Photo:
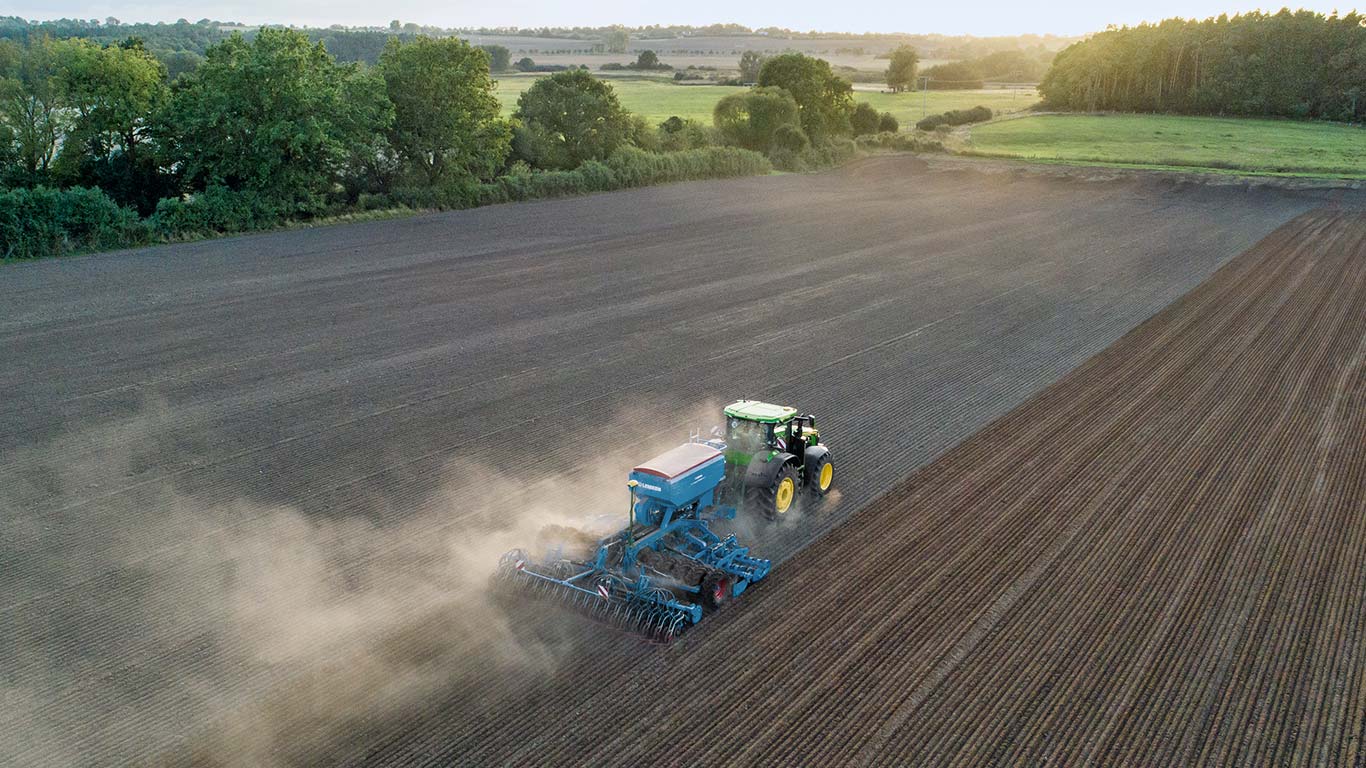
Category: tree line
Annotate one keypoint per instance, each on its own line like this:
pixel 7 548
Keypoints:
pixel 1289 64
pixel 99 148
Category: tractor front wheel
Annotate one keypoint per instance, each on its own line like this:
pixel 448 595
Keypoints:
pixel 820 476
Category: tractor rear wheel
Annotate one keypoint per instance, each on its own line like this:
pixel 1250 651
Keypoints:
pixel 780 496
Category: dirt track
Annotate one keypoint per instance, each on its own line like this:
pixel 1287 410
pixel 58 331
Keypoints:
pixel 190 430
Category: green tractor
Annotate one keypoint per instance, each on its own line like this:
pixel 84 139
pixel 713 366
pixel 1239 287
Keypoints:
pixel 772 454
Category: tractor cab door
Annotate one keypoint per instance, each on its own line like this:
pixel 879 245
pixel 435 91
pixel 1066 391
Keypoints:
pixel 782 437
pixel 802 429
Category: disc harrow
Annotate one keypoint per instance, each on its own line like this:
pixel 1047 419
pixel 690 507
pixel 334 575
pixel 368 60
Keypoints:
pixel 652 613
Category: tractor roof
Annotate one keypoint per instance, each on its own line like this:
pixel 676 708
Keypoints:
pixel 753 410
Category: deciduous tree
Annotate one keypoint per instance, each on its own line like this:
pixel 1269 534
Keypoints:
pixel 270 116
pixel 570 117
pixel 616 40
pixel 750 64
pixel 824 101
pixel 901 69
pixel 33 108
pixel 113 91
pixel 500 58
pixel 446 118
pixel 1289 64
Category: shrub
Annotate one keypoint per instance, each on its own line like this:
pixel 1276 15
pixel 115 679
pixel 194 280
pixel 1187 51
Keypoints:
pixel 367 201
pixel 830 152
pixel 814 156
pixel 215 210
pixel 49 222
pixel 865 119
pixel 888 123
pixel 643 134
pixel 901 142
pixel 677 134
pixel 749 119
pixel 634 168
pixel 954 117
pixel 627 167
pixel 790 138
pixel 787 160
pixel 453 194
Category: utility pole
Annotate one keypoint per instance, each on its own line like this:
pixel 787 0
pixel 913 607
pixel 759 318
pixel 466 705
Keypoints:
pixel 924 95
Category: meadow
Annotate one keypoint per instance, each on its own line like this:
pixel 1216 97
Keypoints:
pixel 658 98
pixel 1267 147
pixel 1230 145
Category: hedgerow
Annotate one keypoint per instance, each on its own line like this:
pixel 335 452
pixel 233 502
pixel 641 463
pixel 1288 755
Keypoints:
pixel 978 114
pixel 50 222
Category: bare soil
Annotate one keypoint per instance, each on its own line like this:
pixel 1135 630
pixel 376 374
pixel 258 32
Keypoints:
pixel 252 485
pixel 1158 560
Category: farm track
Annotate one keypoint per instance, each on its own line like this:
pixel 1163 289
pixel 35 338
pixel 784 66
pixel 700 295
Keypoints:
pixel 1158 560
pixel 236 469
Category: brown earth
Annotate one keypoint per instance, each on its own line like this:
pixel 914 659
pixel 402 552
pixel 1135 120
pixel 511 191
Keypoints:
pixel 253 485
pixel 1158 560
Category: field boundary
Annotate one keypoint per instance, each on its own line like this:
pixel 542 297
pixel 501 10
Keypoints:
pixel 1102 171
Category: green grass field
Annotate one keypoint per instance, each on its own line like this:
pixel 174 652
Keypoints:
pixel 659 98
pixel 655 98
pixel 910 107
pixel 1276 147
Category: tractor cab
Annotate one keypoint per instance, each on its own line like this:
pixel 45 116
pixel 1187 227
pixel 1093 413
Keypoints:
pixel 754 428
pixel 770 451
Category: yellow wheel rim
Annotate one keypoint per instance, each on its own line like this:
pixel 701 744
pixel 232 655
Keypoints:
pixel 827 474
pixel 786 490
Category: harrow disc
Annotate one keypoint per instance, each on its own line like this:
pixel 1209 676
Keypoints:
pixel 605 599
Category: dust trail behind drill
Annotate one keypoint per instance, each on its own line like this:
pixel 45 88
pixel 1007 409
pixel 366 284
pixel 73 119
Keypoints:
pixel 261 632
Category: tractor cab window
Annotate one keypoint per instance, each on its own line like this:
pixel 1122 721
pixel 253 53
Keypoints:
pixel 746 436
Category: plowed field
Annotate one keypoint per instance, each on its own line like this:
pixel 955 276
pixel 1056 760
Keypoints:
pixel 250 489
pixel 1159 560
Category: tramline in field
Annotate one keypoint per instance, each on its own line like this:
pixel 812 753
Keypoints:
pixel 667 568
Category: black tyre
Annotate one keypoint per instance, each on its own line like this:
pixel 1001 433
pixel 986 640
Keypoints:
pixel 820 476
pixel 778 499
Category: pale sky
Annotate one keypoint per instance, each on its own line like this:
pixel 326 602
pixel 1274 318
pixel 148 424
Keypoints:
pixel 985 17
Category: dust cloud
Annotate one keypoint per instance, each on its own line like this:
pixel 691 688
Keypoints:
pixel 141 625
